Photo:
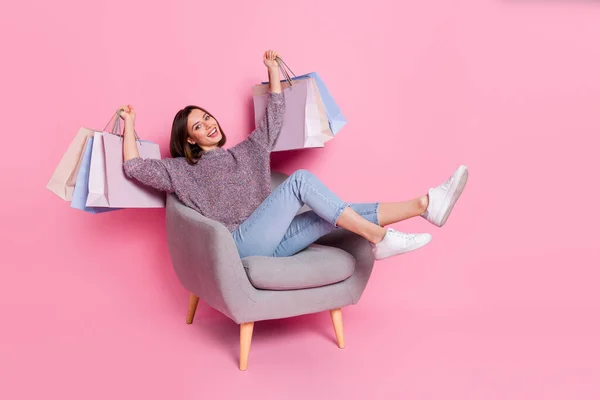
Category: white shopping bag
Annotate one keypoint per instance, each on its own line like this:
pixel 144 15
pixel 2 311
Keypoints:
pixel 97 190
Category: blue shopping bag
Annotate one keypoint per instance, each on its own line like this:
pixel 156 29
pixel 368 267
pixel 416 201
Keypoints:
pixel 334 114
pixel 80 193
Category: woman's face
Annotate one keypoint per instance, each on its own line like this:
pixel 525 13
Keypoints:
pixel 203 130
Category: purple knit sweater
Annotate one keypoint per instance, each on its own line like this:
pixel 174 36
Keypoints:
pixel 225 185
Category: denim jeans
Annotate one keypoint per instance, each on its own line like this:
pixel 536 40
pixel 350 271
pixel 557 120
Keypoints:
pixel 274 229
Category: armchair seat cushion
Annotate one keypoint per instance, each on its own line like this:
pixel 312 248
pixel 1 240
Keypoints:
pixel 315 266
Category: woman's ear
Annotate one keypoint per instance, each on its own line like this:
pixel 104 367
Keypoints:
pixel 190 141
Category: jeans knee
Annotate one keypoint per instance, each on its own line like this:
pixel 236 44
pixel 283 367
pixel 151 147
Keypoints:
pixel 302 174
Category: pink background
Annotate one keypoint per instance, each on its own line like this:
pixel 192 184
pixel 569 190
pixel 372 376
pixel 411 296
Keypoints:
pixel 502 304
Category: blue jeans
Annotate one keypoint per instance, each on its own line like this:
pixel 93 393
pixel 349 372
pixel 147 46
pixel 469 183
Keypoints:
pixel 274 229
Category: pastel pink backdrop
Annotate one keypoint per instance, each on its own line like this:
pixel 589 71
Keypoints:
pixel 502 304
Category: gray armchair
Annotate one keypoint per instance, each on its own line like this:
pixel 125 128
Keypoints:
pixel 328 275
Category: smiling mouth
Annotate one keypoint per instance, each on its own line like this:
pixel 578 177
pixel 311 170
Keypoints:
pixel 212 133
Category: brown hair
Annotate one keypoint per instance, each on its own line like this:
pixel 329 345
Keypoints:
pixel 180 147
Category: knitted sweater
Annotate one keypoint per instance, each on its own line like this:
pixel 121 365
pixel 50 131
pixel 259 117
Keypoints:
pixel 225 185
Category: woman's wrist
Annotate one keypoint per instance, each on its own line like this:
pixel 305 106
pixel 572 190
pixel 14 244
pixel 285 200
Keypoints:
pixel 274 82
pixel 129 125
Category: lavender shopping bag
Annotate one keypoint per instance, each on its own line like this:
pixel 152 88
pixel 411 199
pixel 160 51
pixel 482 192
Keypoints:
pixel 301 123
pixel 124 192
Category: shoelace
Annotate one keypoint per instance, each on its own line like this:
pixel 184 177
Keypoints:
pixel 446 185
pixel 408 236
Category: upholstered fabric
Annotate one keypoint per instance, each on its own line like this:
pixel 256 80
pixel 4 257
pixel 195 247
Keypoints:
pixel 316 266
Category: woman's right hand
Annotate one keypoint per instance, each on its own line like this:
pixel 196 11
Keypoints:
pixel 127 113
pixel 270 59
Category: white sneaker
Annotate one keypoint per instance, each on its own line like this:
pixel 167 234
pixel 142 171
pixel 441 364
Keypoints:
pixel 395 242
pixel 443 197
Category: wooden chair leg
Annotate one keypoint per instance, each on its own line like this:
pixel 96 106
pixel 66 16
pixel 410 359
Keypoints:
pixel 192 308
pixel 336 317
pixel 245 340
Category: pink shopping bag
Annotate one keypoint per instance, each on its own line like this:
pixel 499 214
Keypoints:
pixel 62 182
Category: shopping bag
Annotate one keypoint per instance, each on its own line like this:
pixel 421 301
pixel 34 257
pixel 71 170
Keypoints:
pixel 314 136
pixel 62 182
pixel 324 123
pixel 97 190
pixel 122 191
pixel 301 126
pixel 80 194
pixel 108 186
pixel 334 115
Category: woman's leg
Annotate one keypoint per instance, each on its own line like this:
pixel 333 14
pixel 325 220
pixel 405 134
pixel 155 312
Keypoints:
pixel 442 199
pixel 390 213
pixel 308 227
pixel 262 232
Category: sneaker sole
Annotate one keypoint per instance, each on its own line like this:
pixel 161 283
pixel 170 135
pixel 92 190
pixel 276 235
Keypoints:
pixel 405 250
pixel 454 193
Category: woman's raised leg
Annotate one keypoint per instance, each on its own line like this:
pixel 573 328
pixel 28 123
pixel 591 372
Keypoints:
pixel 262 232
pixel 308 227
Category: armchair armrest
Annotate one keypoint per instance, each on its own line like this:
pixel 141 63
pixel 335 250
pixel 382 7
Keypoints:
pixel 206 259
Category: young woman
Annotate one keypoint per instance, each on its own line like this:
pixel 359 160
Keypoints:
pixel 234 186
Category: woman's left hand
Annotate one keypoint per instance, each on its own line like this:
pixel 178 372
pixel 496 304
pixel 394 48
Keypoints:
pixel 270 59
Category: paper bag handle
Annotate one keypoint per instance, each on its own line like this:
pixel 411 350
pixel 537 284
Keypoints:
pixel 284 70
pixel 117 127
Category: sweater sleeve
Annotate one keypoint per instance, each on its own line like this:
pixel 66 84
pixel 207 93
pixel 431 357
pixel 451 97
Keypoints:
pixel 268 130
pixel 150 172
